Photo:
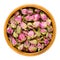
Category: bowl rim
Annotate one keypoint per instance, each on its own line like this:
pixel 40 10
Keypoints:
pixel 53 23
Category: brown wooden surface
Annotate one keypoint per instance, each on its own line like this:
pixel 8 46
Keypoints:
pixel 53 23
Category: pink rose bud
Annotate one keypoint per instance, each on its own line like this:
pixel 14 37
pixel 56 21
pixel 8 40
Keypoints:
pixel 24 11
pixel 12 20
pixel 48 22
pixel 36 24
pixel 37 10
pixel 30 11
pixel 9 30
pixel 43 16
pixel 23 25
pixel 18 19
pixel 43 24
pixel 21 37
pixel 42 46
pixel 13 41
pixel 46 41
pixel 29 18
pixel 36 17
pixel 26 44
pixel 32 48
pixel 50 35
pixel 31 33
pixel 21 47
pixel 43 31
pixel 39 45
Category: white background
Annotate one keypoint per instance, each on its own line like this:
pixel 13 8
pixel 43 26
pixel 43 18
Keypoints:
pixel 6 6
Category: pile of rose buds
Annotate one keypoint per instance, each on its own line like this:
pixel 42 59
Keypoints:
pixel 30 30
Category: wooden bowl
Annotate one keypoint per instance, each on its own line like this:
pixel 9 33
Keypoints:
pixel 52 39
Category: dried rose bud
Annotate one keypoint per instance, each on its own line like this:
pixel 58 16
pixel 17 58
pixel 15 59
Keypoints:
pixel 13 41
pixel 43 31
pixel 18 29
pixel 13 25
pixel 15 34
pixel 47 34
pixel 21 47
pixel 36 24
pixel 39 45
pixel 43 25
pixel 24 11
pixel 43 16
pixel 30 25
pixel 37 10
pixel 12 20
pixel 46 41
pixel 9 30
pixel 48 22
pixel 23 25
pixel 28 37
pixel 36 17
pixel 17 13
pixel 42 46
pixel 25 32
pixel 34 42
pixel 29 18
pixel 26 44
pixel 31 33
pixel 30 11
pixel 38 33
pixel 32 48
pixel 21 37
pixel 50 35
pixel 18 19
pixel 50 29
